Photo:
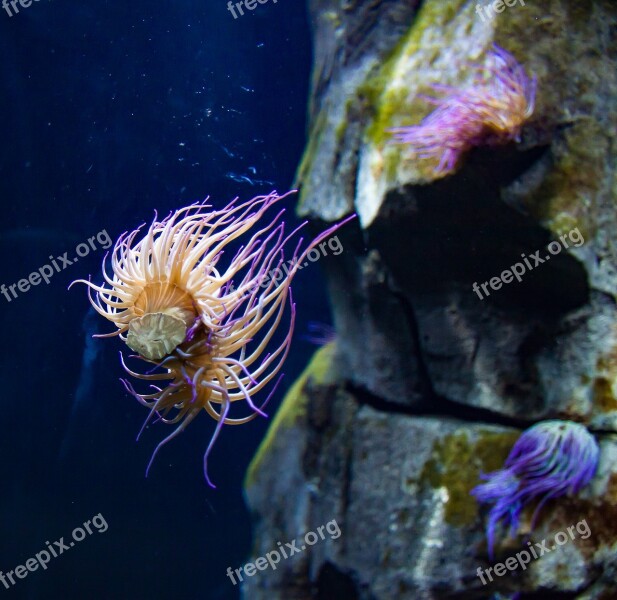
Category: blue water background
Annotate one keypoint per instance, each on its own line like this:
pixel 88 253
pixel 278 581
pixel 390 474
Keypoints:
pixel 111 109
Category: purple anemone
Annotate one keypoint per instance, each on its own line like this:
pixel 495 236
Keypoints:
pixel 550 459
pixel 491 110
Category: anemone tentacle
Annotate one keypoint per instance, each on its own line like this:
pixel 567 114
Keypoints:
pixel 491 110
pixel 549 460
pixel 204 323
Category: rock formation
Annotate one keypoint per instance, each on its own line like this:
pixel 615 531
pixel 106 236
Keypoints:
pixel 427 385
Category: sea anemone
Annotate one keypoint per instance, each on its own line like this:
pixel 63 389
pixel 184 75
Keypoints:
pixel 205 327
pixel 549 460
pixel 490 111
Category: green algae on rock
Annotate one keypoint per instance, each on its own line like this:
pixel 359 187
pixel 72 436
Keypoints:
pixel 456 463
pixel 293 406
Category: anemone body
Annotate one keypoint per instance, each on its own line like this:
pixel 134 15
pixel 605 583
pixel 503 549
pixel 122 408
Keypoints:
pixel 490 111
pixel 549 460
pixel 207 325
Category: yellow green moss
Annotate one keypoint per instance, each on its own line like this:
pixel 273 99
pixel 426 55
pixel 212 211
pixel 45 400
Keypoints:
pixel 332 17
pixel 293 407
pixel 310 151
pixel 387 106
pixel 341 128
pixel 603 395
pixel 386 102
pixel 456 463
pixel 565 198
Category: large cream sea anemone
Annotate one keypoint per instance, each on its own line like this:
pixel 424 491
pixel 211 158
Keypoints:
pixel 206 324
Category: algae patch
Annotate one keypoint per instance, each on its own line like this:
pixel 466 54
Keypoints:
pixel 387 101
pixel 603 396
pixel 306 162
pixel 456 463
pixel 603 384
pixel 565 200
pixel 293 407
pixel 393 94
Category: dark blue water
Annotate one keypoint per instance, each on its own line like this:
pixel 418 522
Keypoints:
pixel 111 109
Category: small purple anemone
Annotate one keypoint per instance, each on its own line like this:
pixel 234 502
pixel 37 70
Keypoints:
pixel 490 111
pixel 550 459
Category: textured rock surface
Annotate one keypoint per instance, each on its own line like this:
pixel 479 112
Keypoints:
pixel 398 487
pixel 428 384
pixel 430 238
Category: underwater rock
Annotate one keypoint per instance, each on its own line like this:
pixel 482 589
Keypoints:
pixel 427 238
pixel 430 381
pixel 398 487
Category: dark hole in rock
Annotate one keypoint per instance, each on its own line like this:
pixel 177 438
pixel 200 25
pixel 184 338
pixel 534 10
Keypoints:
pixel 333 583
pixel 458 231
